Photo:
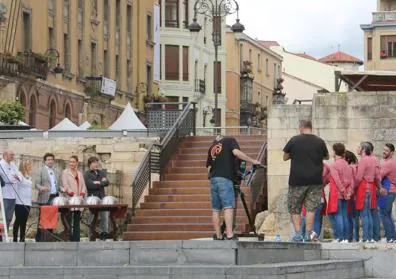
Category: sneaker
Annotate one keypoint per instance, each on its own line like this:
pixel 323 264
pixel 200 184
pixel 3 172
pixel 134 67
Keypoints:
pixel 372 241
pixel 307 238
pixel 390 241
pixel 314 236
pixel 298 238
pixel 344 241
pixel 336 241
pixel 216 238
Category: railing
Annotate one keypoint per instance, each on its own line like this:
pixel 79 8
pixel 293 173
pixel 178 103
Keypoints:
pixel 162 116
pixel 384 16
pixel 172 23
pixel 7 68
pixel 259 184
pixel 158 156
pixel 230 131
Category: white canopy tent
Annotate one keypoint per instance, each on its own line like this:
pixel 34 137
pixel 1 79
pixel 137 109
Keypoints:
pixel 66 125
pixel 128 120
pixel 86 125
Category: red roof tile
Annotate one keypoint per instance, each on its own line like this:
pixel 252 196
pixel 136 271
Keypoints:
pixel 268 44
pixel 342 57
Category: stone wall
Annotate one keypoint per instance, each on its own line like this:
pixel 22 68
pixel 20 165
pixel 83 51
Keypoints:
pixel 337 117
pixel 120 156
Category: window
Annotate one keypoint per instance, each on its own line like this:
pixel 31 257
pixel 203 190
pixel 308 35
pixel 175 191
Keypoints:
pixel 217 77
pixel 27 32
pixel 80 59
pixel 259 62
pixel 51 37
pixel 68 111
pixel 185 63
pixel 66 51
pixel 149 80
pixel 66 10
pixel 106 10
pixel 275 74
pixel 369 48
pixel 94 8
pixel 129 21
pixel 172 13
pixel 250 55
pixel 93 59
pixel 52 114
pixel 129 75
pixel 171 62
pixel 186 21
pixel 205 29
pixel 80 16
pixel 106 63
pixel 266 67
pixel 118 14
pixel 32 111
pixel 279 71
pixel 149 29
pixel 117 69
pixel 241 58
pixel 388 47
pixel 51 6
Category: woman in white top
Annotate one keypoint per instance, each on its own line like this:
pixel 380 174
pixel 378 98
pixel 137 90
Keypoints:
pixel 23 201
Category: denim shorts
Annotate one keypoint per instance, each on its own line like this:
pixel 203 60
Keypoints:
pixel 223 195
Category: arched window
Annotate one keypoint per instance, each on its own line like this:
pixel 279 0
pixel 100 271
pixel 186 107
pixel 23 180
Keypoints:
pixel 52 114
pixel 68 111
pixel 32 111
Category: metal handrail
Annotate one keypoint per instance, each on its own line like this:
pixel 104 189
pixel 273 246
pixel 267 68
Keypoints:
pixel 154 162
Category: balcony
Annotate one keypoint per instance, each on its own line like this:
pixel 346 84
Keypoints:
pixel 200 86
pixel 386 16
pixel 172 23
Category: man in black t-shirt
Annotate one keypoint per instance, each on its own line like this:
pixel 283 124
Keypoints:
pixel 222 157
pixel 307 153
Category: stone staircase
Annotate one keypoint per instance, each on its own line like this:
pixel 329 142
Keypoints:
pixel 179 207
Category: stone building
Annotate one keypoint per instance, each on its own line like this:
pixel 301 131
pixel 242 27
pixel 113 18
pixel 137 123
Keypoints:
pixel 83 42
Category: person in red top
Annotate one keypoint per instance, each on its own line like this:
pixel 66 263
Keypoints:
pixel 353 214
pixel 367 179
pixel 341 182
pixel 388 172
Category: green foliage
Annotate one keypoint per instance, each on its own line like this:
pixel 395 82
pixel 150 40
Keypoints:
pixel 11 113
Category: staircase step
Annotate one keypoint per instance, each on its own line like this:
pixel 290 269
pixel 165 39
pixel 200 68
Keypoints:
pixel 193 163
pixel 200 150
pixel 204 155
pixel 204 183
pixel 207 144
pixel 186 177
pixel 179 191
pixel 177 219
pixel 169 235
pixel 182 227
pixel 187 170
pixel 181 212
pixel 182 198
pixel 239 138
pixel 179 205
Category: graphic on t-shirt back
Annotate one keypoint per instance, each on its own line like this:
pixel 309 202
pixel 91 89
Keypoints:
pixel 216 150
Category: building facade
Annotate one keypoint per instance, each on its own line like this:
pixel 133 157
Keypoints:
pixel 88 41
pixel 253 72
pixel 380 38
pixel 188 60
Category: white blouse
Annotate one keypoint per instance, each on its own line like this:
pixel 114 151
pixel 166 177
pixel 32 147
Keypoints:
pixel 24 190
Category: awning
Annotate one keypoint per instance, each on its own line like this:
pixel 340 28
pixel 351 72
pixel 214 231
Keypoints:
pixel 367 80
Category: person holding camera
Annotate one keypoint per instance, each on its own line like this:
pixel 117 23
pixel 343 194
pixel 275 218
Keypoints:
pixel 222 157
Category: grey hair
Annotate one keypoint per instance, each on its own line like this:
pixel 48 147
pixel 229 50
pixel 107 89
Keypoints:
pixel 366 147
pixel 306 124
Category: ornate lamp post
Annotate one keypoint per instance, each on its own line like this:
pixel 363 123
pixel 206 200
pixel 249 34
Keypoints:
pixel 216 10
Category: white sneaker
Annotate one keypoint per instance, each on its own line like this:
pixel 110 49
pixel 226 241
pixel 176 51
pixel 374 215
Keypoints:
pixel 344 241
pixel 336 241
pixel 372 241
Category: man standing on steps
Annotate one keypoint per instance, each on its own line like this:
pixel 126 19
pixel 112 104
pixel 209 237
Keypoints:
pixel 222 157
pixel 307 153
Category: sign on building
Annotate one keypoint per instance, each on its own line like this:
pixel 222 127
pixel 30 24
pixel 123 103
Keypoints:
pixel 109 86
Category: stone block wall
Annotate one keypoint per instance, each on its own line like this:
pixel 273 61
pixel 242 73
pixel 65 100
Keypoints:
pixel 337 117
pixel 122 155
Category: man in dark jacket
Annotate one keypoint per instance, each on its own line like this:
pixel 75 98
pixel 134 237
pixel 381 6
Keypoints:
pixel 96 181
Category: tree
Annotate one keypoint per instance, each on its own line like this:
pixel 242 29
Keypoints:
pixel 11 113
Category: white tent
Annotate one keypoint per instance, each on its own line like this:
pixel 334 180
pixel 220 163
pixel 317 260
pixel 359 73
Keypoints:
pixel 66 125
pixel 128 121
pixel 86 125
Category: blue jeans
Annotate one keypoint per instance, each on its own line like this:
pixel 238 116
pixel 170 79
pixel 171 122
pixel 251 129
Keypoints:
pixel 9 208
pixel 223 195
pixel 339 221
pixel 367 219
pixel 317 227
pixel 353 223
pixel 386 217
pixel 376 224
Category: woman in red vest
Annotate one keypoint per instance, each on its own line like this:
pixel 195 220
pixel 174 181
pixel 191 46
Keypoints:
pixel 341 182
pixel 353 214
pixel 367 180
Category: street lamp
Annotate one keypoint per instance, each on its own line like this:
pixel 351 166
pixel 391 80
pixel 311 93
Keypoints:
pixel 216 10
